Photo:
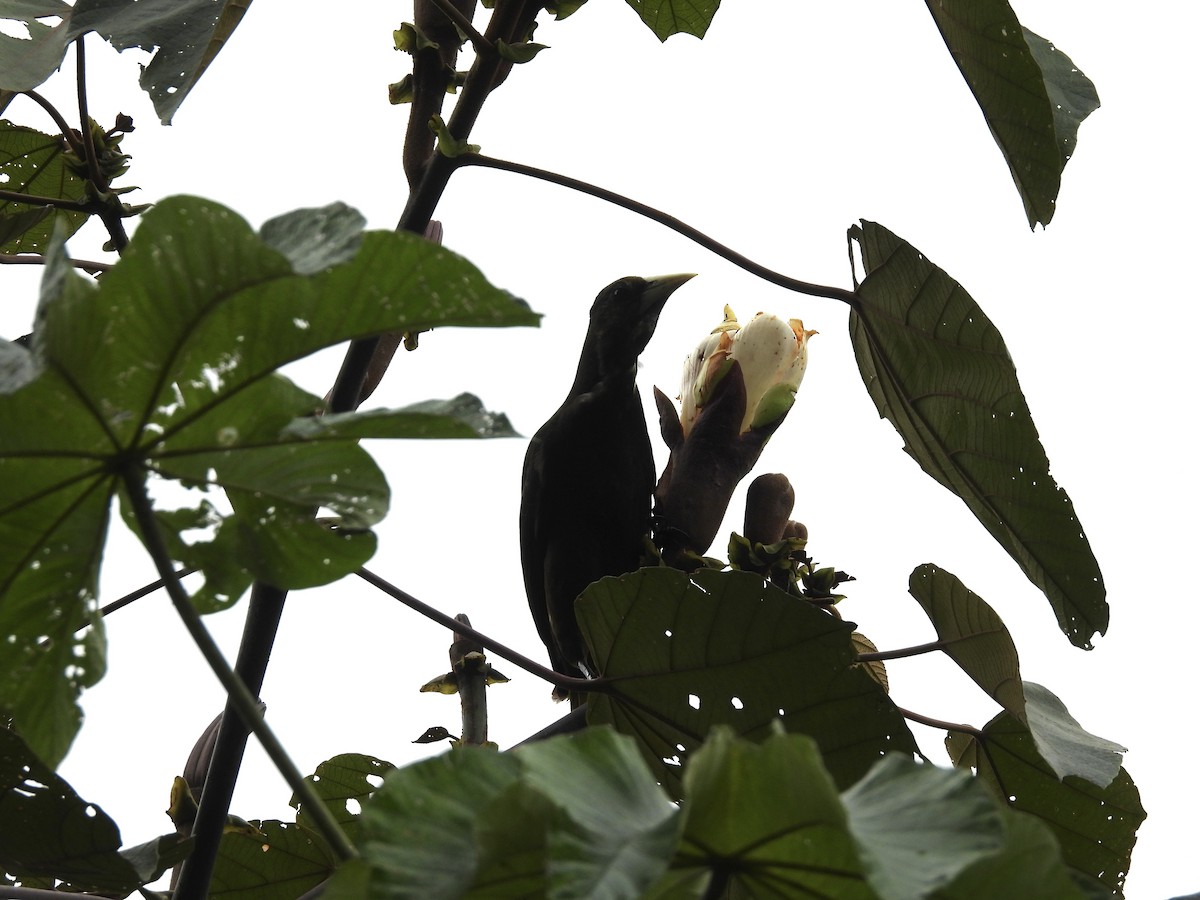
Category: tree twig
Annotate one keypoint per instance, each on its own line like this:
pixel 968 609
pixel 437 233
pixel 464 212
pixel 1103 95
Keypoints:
pixel 36 259
pixel 903 652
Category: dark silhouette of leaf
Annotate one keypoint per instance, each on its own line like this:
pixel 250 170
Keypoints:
pixel 48 830
pixel 938 370
pixel 682 655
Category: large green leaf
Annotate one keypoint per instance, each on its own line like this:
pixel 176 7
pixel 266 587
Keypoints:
pixel 27 62
pixel 918 826
pixel 185 34
pixel 668 17
pixel 1095 826
pixel 1031 95
pixel 682 655
pixel 938 369
pixel 165 370
pixel 1029 866
pixel 617 830
pixel 47 830
pixel 767 818
pixel 971 634
pixel 35 164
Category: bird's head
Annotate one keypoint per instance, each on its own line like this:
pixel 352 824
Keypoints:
pixel 624 317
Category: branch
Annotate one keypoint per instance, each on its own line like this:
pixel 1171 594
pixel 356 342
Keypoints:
pixel 54 114
pixel 108 215
pixel 561 681
pixel 239 695
pixel 676 225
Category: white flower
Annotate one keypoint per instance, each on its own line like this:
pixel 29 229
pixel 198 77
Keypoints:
pixel 772 354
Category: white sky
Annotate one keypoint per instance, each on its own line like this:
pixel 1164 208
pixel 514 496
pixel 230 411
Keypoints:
pixel 789 122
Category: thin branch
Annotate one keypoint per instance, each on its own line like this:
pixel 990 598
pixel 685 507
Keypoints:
pixel 562 681
pixel 903 652
pixel 940 723
pixel 676 225
pixel 243 700
pixel 451 12
pixel 36 259
pixel 122 602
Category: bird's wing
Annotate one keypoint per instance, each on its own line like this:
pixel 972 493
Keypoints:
pixel 533 540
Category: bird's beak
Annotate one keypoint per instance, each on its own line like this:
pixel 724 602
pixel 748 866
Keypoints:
pixel 654 297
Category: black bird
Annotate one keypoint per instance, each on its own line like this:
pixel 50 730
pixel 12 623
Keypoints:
pixel 589 471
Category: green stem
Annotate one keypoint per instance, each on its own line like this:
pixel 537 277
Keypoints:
pixel 676 225
pixel 451 12
pixel 902 653
pixel 240 696
pixel 940 723
pixel 56 202
pixel 36 259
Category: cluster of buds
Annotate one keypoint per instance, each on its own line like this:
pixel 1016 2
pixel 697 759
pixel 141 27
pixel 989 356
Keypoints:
pixel 738 385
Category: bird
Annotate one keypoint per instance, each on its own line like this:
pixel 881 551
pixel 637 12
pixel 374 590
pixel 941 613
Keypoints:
pixel 589 473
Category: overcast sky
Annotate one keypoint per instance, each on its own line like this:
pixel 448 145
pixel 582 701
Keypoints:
pixel 787 124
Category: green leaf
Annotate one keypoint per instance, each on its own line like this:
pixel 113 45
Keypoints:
pixel 419 830
pixel 166 370
pixel 461 417
pixel 279 862
pixel 1029 866
pixel 1063 743
pixel 768 818
pixel 972 634
pixel 315 239
pixel 1020 82
pixel 918 826
pixel 668 17
pixel 1072 95
pixel 1095 826
pixel 36 164
pixel 618 830
pixel 186 35
pixel 682 655
pixel 344 784
pixel 938 370
pixel 48 830
pixel 27 62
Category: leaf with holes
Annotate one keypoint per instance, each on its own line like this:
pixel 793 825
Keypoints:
pixel 165 371
pixel 186 36
pixel 971 634
pixel 1096 826
pixel 36 164
pixel 270 860
pixel 49 831
pixel 679 656
pixel 344 783
pixel 938 370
